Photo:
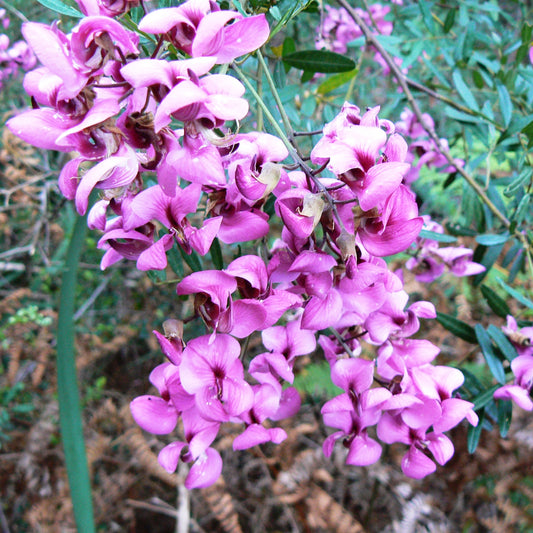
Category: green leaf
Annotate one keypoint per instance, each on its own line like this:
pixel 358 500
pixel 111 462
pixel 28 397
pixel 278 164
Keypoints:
pixel 496 302
pixel 457 327
pixel 474 432
pixel 175 262
pixel 484 398
pixel 526 32
pixel 522 209
pixel 425 9
pixel 192 260
pixel 523 178
pixel 528 130
pixel 462 231
pixel 60 7
pixel 506 105
pixel 464 91
pixel 489 239
pixel 489 258
pixel 502 342
pixel 216 254
pixel 505 415
pixel 434 236
pixel 336 81
pixel 515 294
pixel 494 364
pixel 70 419
pixel 449 20
pixel 319 61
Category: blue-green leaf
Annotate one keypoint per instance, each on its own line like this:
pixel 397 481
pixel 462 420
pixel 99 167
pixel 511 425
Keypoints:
pixel 506 105
pixel 495 365
pixel 489 239
pixel 502 342
pixel 457 327
pixel 319 61
pixel 60 7
pixel 515 294
pixel 495 301
pixel 474 432
pixel 464 91
pixel 434 236
pixel 505 414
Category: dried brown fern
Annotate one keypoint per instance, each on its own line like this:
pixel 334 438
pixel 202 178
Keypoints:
pixel 221 505
pixel 324 512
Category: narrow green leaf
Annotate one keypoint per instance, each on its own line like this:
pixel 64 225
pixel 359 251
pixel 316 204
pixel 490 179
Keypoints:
pixel 528 131
pixel 70 420
pixel 464 91
pixel 494 364
pixel 192 260
pixel 484 398
pixel 517 266
pixel 336 81
pixel 449 20
pixel 505 415
pixel 462 231
pixel 425 9
pixel 515 294
pixel 175 262
pixel 489 239
pixel 474 432
pixel 457 327
pixel 216 254
pixel 526 32
pixel 319 61
pixel 522 209
pixel 434 236
pixel 496 302
pixel 502 342
pixel 489 258
pixel 511 254
pixel 506 105
pixel 60 7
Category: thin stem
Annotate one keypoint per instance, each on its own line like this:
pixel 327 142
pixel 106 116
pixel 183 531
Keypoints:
pixel 297 158
pixel 275 94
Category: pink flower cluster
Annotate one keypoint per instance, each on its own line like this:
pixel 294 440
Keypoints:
pixel 338 29
pixel 430 260
pixel 151 135
pixel 13 57
pixel 522 366
pixel 421 147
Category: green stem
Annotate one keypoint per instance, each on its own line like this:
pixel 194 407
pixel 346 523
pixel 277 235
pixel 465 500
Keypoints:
pixel 275 94
pixel 296 157
pixel 70 420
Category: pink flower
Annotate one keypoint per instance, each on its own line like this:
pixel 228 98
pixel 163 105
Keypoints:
pixel 520 391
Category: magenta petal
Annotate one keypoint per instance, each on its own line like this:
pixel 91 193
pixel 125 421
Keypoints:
pixel 201 239
pixel 253 435
pixel 169 456
pixel 249 316
pixel 289 404
pixel 321 313
pixel 154 414
pixel 243 226
pixel 243 37
pixel 51 52
pixel 380 182
pixel 353 374
pixel 205 470
pixel 41 128
pixel 441 447
pixel 416 464
pixel 364 451
pixel 396 237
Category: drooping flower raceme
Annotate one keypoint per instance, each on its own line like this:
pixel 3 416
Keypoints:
pixel 152 137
